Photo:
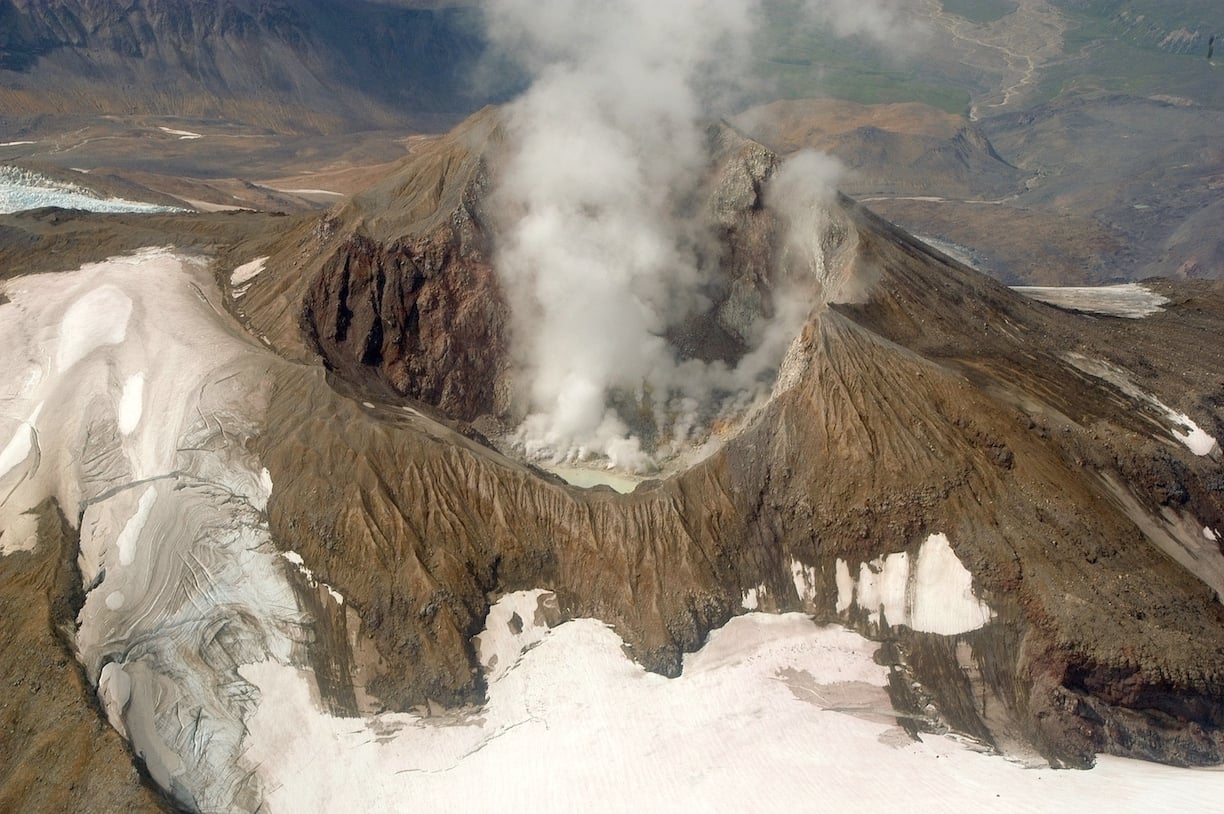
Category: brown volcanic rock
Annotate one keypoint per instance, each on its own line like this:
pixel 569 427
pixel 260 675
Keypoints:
pixel 395 289
pixel 944 402
pixel 57 752
pixel 457 523
pixel 410 317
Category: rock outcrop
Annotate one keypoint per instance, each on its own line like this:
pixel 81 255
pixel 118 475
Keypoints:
pixel 59 753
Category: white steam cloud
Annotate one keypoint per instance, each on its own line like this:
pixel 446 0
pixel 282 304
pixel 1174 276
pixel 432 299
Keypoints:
pixel 596 256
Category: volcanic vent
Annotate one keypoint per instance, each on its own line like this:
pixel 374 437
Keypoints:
pixel 412 303
pixel 917 399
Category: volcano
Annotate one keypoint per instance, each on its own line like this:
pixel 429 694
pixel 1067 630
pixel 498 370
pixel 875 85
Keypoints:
pixel 266 496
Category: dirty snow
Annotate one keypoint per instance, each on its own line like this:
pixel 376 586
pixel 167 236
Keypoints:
pixel 247 271
pixel 1176 534
pixel 1131 300
pixel 1180 425
pixel 515 623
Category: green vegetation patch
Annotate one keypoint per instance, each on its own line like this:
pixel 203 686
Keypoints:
pixel 980 11
pixel 798 58
pixel 1181 27
pixel 1099 60
pixel 859 83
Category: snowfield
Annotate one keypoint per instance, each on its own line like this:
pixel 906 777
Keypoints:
pixel 774 713
pixel 1130 300
pixel 130 399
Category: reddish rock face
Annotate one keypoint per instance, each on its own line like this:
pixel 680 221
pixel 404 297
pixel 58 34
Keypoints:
pixel 418 318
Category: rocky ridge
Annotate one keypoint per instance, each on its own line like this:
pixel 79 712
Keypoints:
pixel 941 403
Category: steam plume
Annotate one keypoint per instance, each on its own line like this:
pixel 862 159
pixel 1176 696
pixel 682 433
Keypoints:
pixel 595 256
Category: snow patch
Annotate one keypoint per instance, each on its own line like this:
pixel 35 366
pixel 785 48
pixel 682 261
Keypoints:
pixel 184 135
pixel 131 404
pixel 114 691
pixel 748 599
pixel 1181 426
pixel 247 271
pixel 845 587
pixel 98 319
pixel 311 579
pixel 1131 300
pixel 1194 437
pixel 944 601
pixel 1210 534
pixel 126 542
pixel 935 595
pixel 805 580
pixel 881 589
pixel 1179 535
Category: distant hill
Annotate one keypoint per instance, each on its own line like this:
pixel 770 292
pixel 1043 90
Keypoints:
pixel 306 65
pixel 1181 27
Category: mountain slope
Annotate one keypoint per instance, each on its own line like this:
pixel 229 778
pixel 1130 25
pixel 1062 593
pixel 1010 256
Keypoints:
pixel 318 66
pixel 944 403
pixel 1021 505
